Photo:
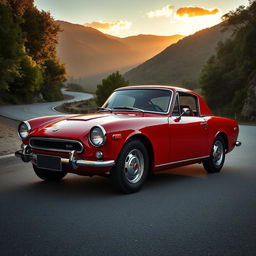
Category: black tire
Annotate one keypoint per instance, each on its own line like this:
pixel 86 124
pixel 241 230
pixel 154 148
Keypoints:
pixel 217 158
pixel 131 168
pixel 49 175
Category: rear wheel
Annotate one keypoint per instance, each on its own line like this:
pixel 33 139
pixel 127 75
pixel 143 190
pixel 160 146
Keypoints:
pixel 217 158
pixel 49 175
pixel 131 169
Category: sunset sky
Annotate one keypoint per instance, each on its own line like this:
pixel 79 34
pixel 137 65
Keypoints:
pixel 131 17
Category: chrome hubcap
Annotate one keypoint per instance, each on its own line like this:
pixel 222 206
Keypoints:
pixel 134 166
pixel 218 153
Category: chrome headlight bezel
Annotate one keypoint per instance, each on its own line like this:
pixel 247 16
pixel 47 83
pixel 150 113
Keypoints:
pixel 24 129
pixel 99 131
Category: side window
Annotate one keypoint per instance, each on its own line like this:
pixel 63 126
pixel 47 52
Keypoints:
pixel 189 101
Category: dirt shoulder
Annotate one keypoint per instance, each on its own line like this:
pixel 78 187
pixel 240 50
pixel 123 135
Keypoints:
pixel 9 139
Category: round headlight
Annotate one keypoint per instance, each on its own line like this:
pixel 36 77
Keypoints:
pixel 24 129
pixel 97 136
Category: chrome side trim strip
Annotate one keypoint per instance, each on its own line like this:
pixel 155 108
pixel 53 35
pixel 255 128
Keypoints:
pixel 182 161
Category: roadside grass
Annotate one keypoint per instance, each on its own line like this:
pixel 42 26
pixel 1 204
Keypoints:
pixel 79 107
pixel 73 87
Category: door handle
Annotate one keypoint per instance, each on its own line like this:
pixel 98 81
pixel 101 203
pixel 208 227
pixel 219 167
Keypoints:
pixel 204 123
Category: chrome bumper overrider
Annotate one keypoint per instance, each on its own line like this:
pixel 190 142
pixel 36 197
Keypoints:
pixel 27 156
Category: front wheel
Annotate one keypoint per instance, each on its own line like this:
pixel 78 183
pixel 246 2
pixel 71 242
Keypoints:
pixel 49 175
pixel 131 169
pixel 217 158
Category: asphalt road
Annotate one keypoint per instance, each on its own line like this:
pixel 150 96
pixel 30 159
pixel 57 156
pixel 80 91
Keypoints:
pixel 182 211
pixel 28 111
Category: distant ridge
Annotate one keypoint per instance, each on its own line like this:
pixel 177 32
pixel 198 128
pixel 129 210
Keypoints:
pixel 89 52
pixel 180 63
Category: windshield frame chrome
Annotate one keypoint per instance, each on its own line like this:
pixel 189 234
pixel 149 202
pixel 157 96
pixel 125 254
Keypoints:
pixel 142 110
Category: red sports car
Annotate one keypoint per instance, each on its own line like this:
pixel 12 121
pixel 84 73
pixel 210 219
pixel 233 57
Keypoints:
pixel 139 129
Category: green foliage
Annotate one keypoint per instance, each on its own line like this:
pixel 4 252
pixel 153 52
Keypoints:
pixel 54 76
pixel 28 62
pixel 241 17
pixel 20 6
pixel 27 83
pixel 109 84
pixel 41 35
pixel 10 47
pixel 225 76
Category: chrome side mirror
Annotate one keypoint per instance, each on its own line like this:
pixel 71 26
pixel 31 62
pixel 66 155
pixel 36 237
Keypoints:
pixel 185 111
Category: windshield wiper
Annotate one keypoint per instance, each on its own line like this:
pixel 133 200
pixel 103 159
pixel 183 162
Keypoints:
pixel 103 109
pixel 129 108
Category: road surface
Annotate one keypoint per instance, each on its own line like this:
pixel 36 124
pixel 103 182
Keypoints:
pixel 28 111
pixel 181 212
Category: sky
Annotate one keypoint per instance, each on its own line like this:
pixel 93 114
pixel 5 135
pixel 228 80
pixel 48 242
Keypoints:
pixel 132 17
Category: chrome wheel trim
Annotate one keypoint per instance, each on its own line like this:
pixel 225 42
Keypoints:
pixel 218 153
pixel 134 166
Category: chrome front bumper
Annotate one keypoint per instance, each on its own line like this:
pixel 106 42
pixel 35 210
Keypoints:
pixel 27 156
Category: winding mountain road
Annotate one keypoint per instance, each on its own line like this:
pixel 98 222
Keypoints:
pixel 28 111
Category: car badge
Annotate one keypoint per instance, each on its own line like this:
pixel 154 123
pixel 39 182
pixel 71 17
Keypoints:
pixel 55 129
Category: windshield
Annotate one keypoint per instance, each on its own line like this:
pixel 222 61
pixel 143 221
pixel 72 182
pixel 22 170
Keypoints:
pixel 149 100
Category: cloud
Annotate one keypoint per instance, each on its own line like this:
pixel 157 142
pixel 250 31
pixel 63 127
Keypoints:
pixel 164 12
pixel 116 25
pixel 195 11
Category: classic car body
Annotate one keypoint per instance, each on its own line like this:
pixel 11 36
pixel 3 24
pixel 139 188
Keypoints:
pixel 127 139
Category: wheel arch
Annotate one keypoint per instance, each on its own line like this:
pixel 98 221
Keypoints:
pixel 149 147
pixel 225 138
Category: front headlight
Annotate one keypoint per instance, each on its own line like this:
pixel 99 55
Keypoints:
pixel 24 129
pixel 97 136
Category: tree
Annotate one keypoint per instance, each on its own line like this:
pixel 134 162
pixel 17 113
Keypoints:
pixel 28 59
pixel 41 32
pixel 241 17
pixel 19 6
pixel 108 85
pixel 11 44
pixel 54 76
pixel 28 81
pixel 41 39
pixel 20 76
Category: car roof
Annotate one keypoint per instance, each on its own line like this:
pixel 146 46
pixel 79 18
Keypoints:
pixel 205 111
pixel 168 87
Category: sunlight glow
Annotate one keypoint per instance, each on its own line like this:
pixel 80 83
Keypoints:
pixel 196 23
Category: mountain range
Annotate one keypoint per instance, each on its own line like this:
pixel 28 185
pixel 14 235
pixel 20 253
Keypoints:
pixel 180 63
pixel 88 52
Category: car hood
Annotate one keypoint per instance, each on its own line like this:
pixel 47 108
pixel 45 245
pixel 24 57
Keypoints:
pixel 78 126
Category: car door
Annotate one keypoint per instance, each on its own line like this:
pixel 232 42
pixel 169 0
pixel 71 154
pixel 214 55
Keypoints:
pixel 189 132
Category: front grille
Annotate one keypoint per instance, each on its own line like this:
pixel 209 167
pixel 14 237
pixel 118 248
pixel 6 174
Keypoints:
pixel 55 144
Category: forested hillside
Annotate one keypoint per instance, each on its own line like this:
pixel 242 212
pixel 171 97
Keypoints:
pixel 229 78
pixel 180 63
pixel 29 68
